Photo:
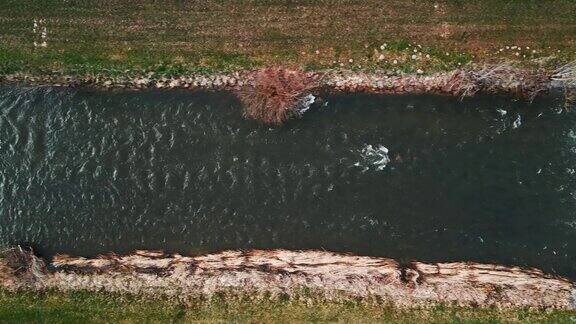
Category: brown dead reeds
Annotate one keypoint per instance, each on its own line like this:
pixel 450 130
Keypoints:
pixel 498 78
pixel 21 268
pixel 566 76
pixel 274 95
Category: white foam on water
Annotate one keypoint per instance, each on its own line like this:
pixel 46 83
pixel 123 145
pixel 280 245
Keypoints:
pixel 373 157
pixel 517 122
pixel 306 102
pixel 501 112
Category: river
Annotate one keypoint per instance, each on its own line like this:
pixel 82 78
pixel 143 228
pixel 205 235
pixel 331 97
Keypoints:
pixel 487 179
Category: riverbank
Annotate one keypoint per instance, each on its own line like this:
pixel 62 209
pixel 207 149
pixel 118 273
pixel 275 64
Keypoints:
pixel 286 274
pixel 491 79
pixel 446 47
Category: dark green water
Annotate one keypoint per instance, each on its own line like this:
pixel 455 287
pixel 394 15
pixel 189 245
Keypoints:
pixel 86 172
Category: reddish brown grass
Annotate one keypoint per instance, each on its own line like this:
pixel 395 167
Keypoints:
pixel 273 95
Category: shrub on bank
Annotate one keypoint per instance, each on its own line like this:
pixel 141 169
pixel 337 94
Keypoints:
pixel 274 95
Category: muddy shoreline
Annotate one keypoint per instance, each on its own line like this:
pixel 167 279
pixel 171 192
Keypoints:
pixel 336 276
pixel 461 83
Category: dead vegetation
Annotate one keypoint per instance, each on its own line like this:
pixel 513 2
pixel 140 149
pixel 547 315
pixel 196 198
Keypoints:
pixel 274 95
pixel 566 76
pixel 20 268
pixel 499 78
pixel 285 272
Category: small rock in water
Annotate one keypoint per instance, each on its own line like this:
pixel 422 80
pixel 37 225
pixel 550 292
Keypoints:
pixel 142 82
pixel 174 83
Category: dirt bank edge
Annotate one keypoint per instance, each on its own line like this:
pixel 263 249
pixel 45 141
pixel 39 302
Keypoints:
pixel 462 82
pixel 287 272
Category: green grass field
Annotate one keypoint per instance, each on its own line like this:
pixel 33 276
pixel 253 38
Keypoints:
pixel 82 307
pixel 179 37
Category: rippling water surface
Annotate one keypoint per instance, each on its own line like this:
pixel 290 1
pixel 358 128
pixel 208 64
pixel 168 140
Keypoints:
pixel 427 178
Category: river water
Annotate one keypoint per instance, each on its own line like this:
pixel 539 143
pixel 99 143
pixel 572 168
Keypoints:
pixel 410 177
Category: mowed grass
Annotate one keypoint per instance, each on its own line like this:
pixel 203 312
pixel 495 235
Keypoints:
pixel 88 307
pixel 178 37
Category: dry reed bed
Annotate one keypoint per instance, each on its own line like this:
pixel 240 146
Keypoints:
pixel 289 272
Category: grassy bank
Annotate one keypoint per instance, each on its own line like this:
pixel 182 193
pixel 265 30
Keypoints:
pixel 57 307
pixel 178 37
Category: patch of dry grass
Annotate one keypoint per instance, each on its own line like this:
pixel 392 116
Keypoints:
pixel 492 78
pixel 566 75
